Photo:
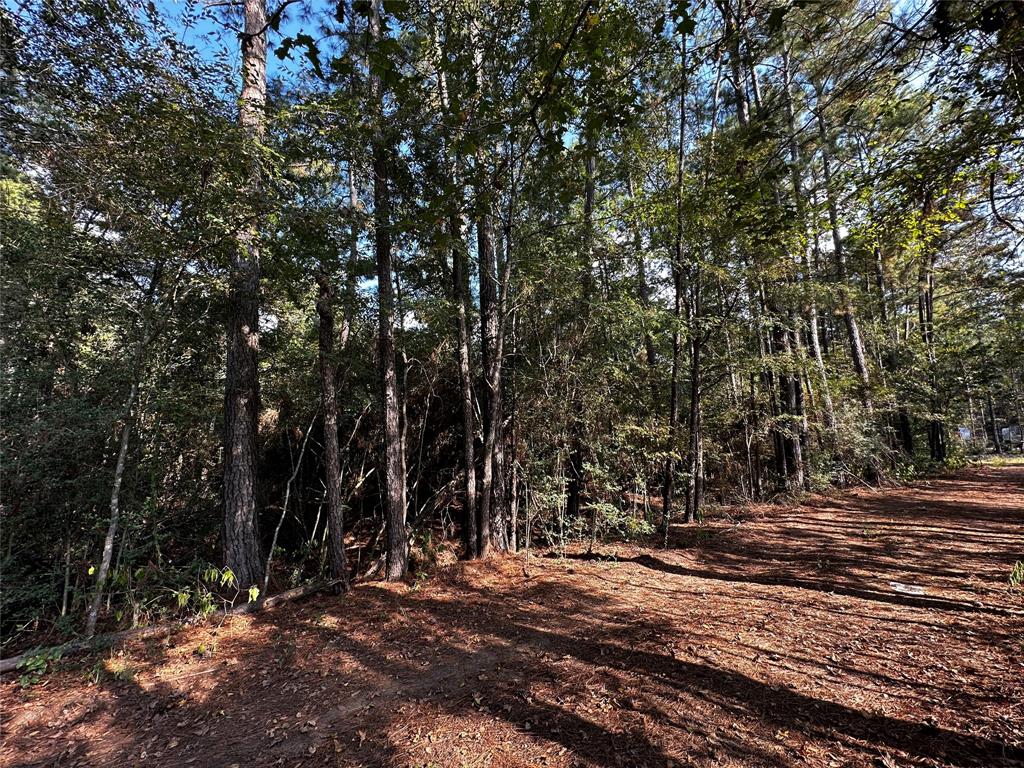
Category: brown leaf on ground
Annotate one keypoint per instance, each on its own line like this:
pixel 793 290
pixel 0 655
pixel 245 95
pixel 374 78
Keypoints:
pixel 732 648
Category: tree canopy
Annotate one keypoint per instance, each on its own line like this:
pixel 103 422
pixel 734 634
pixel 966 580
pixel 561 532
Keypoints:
pixel 460 277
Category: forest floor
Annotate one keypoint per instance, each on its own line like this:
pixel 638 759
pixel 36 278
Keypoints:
pixel 870 628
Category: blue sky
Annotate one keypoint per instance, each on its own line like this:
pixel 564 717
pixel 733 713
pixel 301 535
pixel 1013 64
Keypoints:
pixel 214 31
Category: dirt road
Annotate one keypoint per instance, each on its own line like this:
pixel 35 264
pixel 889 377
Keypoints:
pixel 868 629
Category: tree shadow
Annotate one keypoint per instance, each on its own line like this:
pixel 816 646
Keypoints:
pixel 562 670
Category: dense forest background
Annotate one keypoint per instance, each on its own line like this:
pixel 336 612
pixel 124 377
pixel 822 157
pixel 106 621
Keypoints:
pixel 468 276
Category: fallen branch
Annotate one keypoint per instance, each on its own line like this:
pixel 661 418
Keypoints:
pixel 163 630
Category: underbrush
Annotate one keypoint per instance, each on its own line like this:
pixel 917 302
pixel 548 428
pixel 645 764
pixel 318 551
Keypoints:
pixel 137 598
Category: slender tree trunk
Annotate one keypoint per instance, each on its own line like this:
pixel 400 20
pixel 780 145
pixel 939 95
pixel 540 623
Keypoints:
pixel 461 299
pixel 860 365
pixel 492 377
pixel 332 456
pixel 240 535
pixel 66 591
pixel 997 442
pixel 792 390
pixel 460 295
pixel 138 361
pixel 925 307
pixel 513 433
pixel 677 309
pixel 491 342
pixel 828 407
pixel 576 457
pixel 349 309
pixel 499 485
pixel 115 511
pixel 394 477
pixel 695 455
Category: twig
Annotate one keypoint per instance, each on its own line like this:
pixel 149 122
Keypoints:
pixel 287 495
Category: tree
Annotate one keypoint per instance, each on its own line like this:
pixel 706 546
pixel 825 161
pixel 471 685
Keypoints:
pixel 241 536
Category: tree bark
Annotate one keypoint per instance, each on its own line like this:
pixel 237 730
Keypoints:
pixel 860 365
pixel 578 424
pixel 397 553
pixel 460 295
pixel 695 454
pixel 997 442
pixel 461 300
pixel 332 457
pixel 925 308
pixel 489 328
pixel 491 513
pixel 240 535
pixel 115 511
pixel 677 309
pixel 828 408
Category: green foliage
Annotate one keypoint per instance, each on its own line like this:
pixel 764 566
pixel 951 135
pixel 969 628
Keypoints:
pixel 1016 575
pixel 125 182
pixel 36 663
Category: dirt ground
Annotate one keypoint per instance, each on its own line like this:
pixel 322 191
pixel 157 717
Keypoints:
pixel 868 629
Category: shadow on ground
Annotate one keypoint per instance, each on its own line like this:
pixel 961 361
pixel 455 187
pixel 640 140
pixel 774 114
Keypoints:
pixel 743 651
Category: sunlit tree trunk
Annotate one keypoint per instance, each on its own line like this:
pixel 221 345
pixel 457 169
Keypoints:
pixel 828 408
pixel 491 338
pixel 240 534
pixel 668 492
pixel 860 364
pixel 103 571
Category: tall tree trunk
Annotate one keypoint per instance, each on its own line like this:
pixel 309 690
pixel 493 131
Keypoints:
pixel 513 436
pixel 577 426
pixel 332 456
pixel 240 534
pixel 926 318
pixel 695 454
pixel 461 299
pixel 810 232
pixel 860 365
pixel 349 298
pixel 394 477
pixel 138 361
pixel 460 295
pixel 792 391
pixel 499 484
pixel 677 308
pixel 491 337
pixel 492 376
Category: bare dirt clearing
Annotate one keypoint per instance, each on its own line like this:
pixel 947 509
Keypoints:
pixel 869 629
